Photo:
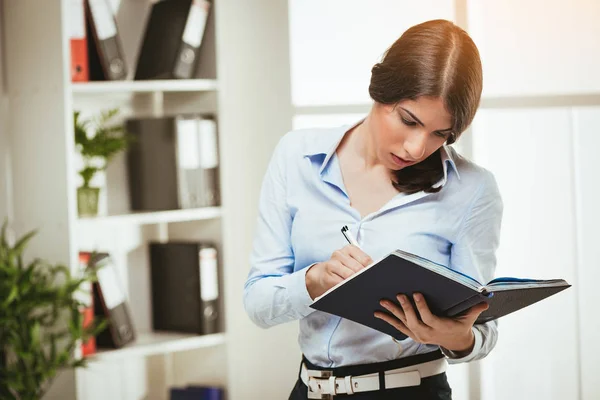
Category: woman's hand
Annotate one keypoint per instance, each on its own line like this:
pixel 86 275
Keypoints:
pixel 453 334
pixel 342 264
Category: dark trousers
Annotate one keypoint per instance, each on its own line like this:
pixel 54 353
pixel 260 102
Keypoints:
pixel 432 388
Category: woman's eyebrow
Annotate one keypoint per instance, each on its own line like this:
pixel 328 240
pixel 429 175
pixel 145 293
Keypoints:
pixel 413 116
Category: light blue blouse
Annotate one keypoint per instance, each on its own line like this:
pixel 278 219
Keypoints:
pixel 303 205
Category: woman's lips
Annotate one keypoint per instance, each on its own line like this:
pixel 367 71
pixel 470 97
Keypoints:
pixel 400 161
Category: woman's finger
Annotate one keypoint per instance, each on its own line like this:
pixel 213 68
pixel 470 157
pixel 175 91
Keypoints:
pixel 338 268
pixel 330 280
pixel 475 311
pixel 426 315
pixel 412 322
pixel 360 256
pixel 350 261
pixel 396 323
pixel 394 309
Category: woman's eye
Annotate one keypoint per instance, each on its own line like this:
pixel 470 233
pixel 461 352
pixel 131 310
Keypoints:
pixel 407 122
pixel 441 134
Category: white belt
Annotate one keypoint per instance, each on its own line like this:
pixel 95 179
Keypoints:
pixel 322 385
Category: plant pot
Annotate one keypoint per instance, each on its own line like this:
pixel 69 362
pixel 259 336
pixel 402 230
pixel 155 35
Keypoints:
pixel 87 201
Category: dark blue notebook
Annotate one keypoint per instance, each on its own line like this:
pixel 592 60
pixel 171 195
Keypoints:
pixel 447 292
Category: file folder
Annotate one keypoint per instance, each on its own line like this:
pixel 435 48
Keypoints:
pixel 105 52
pixel 111 303
pixel 173 163
pixel 185 287
pixel 78 41
pixel 172 39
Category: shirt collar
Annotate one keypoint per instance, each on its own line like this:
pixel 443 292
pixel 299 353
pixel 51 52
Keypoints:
pixel 447 153
pixel 328 142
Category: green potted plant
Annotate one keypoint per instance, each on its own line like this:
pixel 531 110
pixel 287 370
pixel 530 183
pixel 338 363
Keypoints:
pixel 41 323
pixel 98 140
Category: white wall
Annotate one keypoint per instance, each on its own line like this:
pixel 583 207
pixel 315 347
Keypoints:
pixel 543 158
pixel 537 47
pixel 530 154
pixel 335 43
pixel 4 171
pixel 586 142
pixel 546 166
pixel 255 111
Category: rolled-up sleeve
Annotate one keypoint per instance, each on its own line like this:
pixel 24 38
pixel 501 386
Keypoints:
pixel 474 253
pixel 273 292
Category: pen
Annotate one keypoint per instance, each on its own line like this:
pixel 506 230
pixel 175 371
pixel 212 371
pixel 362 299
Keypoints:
pixel 349 238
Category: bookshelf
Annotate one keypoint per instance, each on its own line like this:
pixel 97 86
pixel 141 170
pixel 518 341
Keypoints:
pixel 252 113
pixel 131 87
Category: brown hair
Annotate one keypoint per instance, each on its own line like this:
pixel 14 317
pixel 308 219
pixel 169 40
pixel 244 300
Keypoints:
pixel 438 59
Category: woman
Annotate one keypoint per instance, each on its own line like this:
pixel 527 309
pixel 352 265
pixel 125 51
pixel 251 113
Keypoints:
pixel 393 179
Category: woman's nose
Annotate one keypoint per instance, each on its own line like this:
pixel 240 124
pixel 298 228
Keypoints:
pixel 415 145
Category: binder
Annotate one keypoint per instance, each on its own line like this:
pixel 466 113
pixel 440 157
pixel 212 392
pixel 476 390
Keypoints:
pixel 88 347
pixel 195 392
pixel 172 39
pixel 197 158
pixel 448 293
pixel 152 165
pixel 173 163
pixel 185 287
pixel 105 52
pixel 111 303
pixel 78 42
pixel 206 392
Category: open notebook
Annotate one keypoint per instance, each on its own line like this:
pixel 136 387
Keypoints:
pixel 447 292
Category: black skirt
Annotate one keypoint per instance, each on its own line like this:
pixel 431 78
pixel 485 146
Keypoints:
pixel 431 388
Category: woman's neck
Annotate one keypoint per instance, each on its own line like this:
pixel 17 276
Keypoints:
pixel 362 144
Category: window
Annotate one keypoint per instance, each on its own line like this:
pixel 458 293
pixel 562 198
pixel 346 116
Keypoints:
pixel 334 44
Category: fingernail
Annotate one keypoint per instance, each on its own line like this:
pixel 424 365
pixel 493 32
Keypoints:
pixel 376 315
pixel 401 299
pixel 383 303
pixel 417 297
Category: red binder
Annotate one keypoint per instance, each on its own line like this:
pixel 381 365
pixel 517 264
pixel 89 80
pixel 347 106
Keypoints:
pixel 88 347
pixel 111 303
pixel 78 38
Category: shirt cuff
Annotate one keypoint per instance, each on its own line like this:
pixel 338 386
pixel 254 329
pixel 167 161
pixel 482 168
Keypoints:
pixel 298 292
pixel 453 357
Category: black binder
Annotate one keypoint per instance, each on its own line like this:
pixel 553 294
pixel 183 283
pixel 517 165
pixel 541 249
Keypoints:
pixel 173 163
pixel 110 303
pixel 447 292
pixel 172 39
pixel 105 52
pixel 185 287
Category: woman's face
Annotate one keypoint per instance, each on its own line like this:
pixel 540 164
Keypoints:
pixel 410 131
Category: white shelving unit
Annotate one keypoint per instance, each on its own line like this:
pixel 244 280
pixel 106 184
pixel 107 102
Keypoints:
pixel 42 101
pixel 157 217
pixel 148 344
pixel 165 86
pixel 252 114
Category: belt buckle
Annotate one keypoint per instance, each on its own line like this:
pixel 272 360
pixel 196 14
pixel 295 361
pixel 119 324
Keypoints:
pixel 318 374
